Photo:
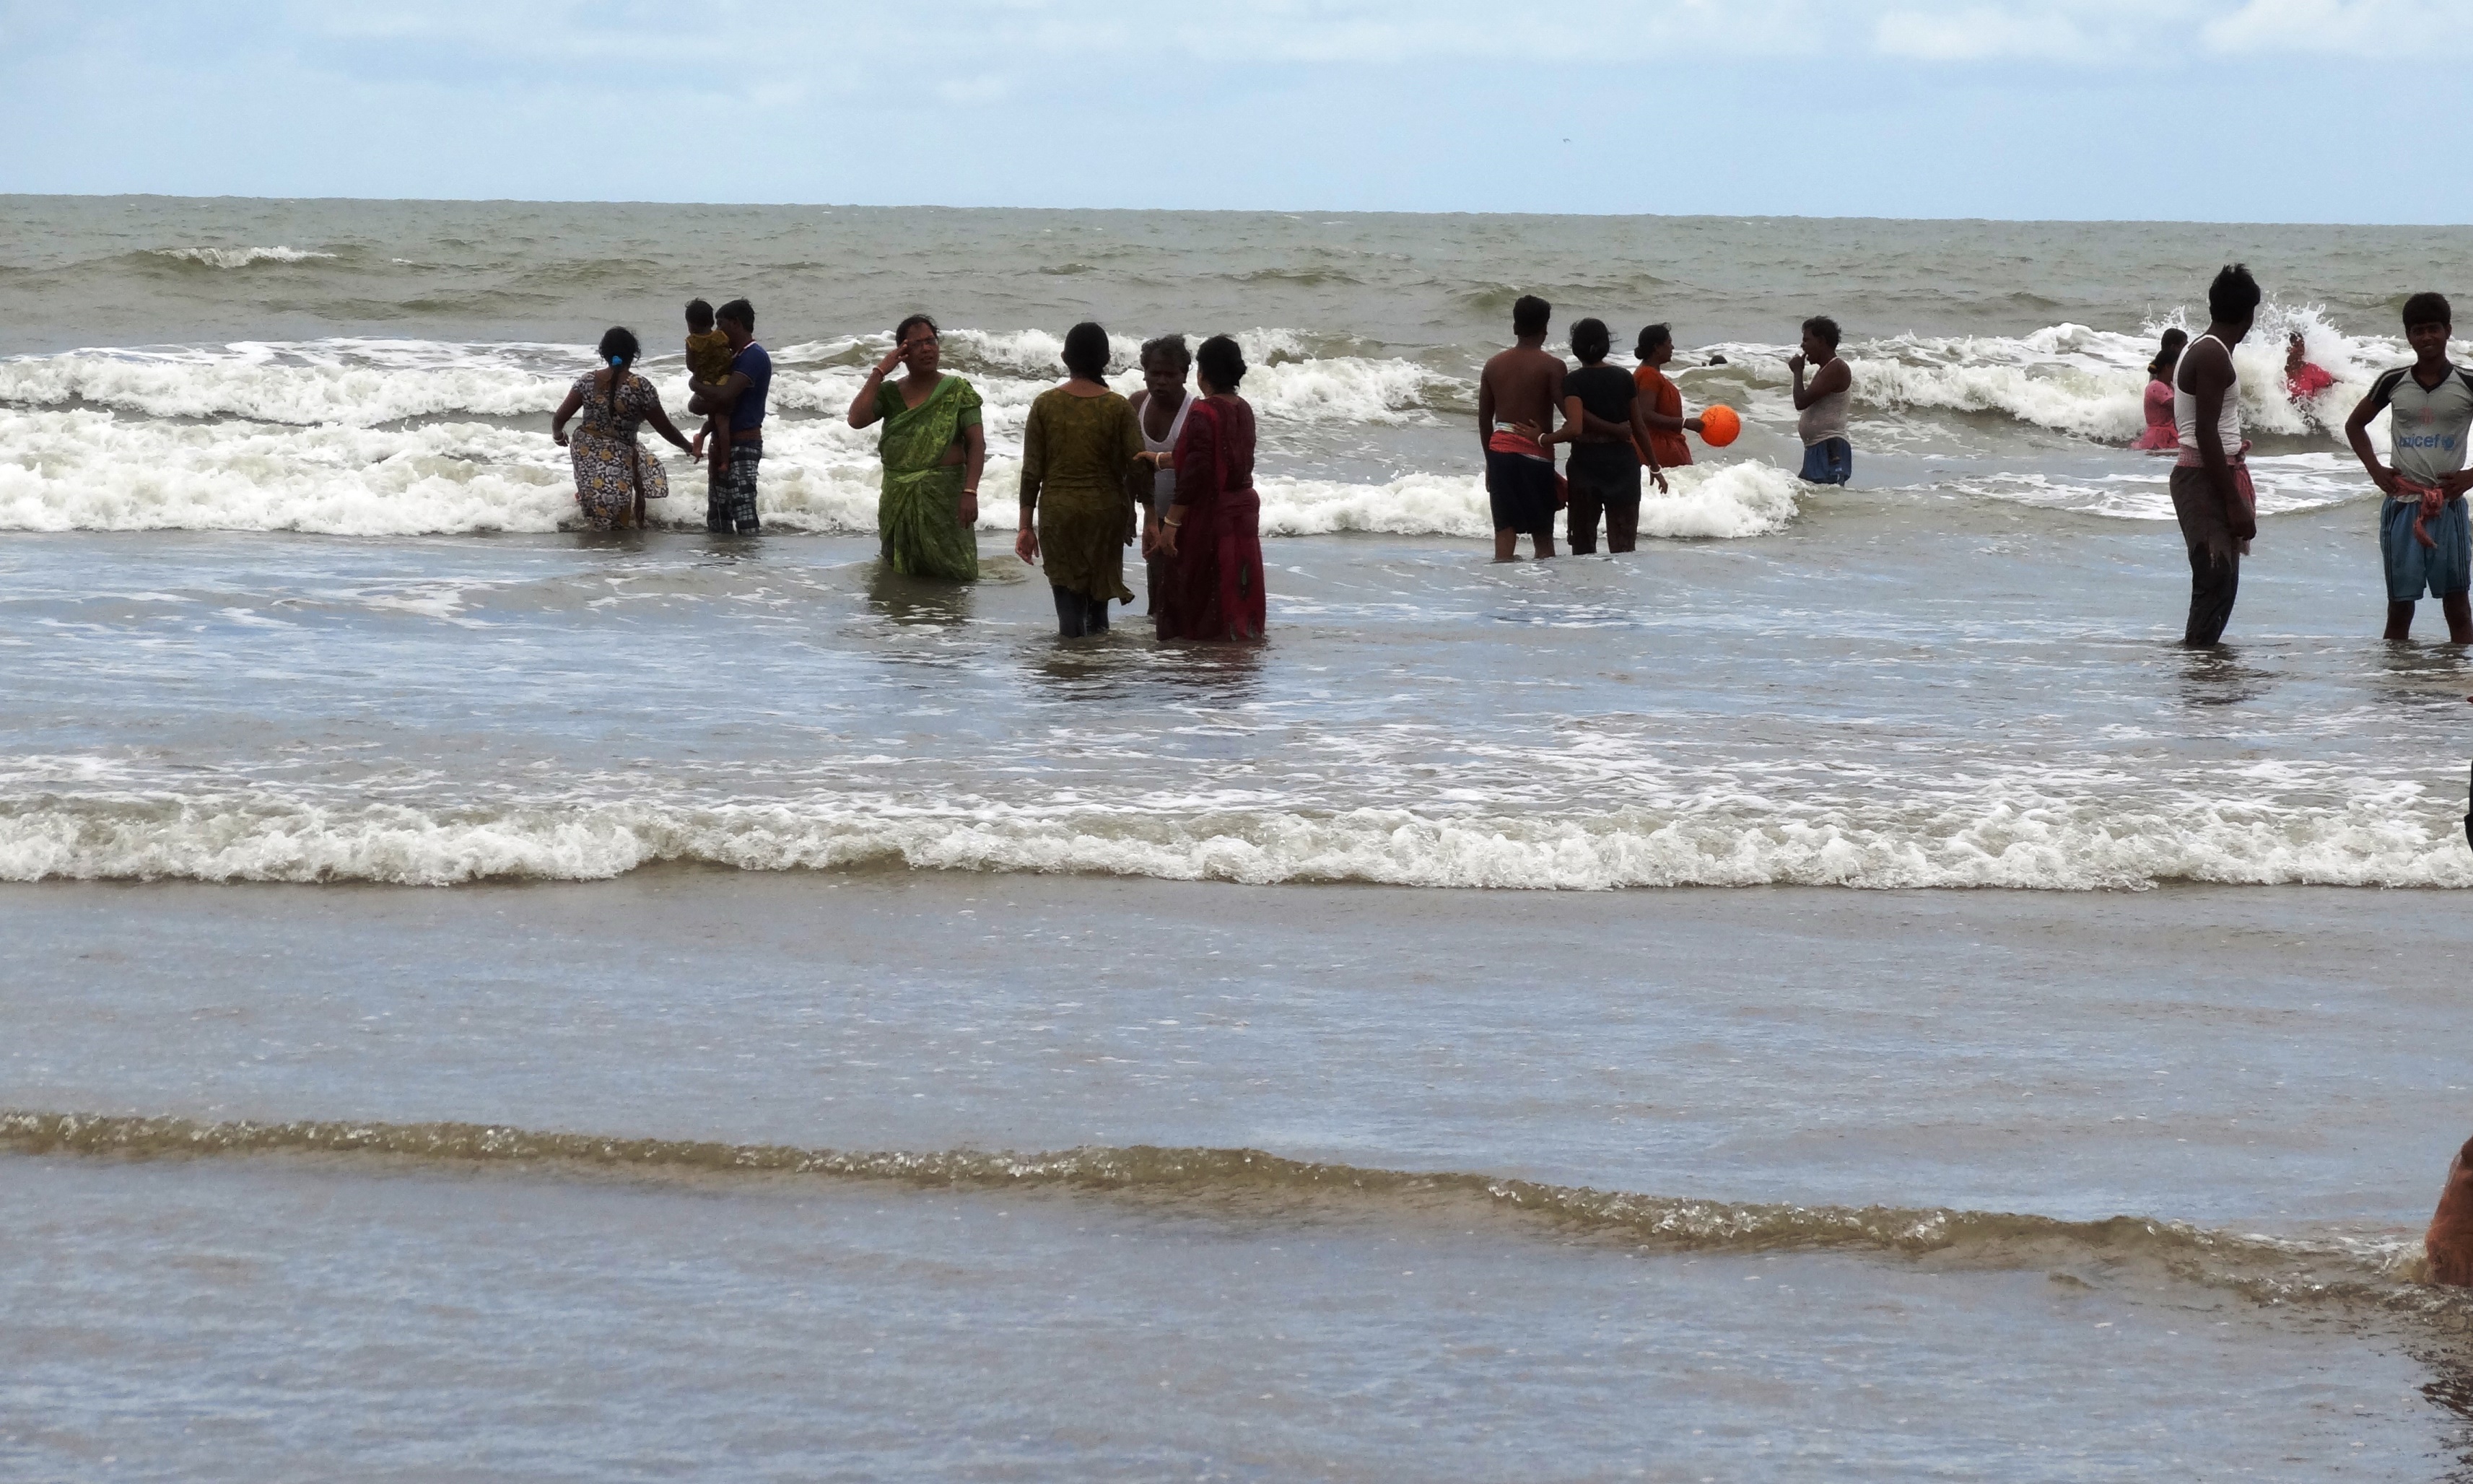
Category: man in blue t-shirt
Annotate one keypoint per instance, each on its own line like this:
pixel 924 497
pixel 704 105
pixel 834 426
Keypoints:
pixel 738 400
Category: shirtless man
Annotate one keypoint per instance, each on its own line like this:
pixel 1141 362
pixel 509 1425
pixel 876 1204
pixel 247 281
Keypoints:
pixel 1516 399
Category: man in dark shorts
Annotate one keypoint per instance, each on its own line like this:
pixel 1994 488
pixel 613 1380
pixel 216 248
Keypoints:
pixel 2212 495
pixel 1603 421
pixel 737 398
pixel 1516 399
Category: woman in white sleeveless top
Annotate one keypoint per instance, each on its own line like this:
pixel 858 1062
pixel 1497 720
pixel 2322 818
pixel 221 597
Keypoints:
pixel 1160 408
pixel 2211 488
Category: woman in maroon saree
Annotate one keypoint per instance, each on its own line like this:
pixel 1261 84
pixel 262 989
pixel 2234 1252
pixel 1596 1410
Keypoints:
pixel 1211 535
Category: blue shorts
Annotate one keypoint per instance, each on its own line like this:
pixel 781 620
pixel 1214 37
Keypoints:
pixel 1829 462
pixel 2445 570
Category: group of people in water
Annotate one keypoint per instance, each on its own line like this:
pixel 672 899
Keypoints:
pixel 1172 467
pixel 2193 409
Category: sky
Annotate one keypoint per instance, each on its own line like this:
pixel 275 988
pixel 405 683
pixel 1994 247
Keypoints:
pixel 2264 110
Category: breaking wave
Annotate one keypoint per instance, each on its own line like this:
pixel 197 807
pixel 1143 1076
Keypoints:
pixel 2005 837
pixel 2381 1273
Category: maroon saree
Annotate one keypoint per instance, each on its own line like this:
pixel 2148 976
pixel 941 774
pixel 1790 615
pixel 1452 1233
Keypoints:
pixel 1213 587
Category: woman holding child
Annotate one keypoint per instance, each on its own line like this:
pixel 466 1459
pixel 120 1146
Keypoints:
pixel 933 449
pixel 612 476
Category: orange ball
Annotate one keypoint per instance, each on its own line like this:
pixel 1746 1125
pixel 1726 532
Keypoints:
pixel 1719 426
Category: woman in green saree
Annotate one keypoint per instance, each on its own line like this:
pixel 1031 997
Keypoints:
pixel 933 449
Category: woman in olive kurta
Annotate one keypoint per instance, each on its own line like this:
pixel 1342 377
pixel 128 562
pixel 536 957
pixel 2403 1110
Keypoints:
pixel 1082 483
pixel 933 448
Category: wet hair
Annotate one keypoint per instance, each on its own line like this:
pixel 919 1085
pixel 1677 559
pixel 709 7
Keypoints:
pixel 1825 327
pixel 1650 338
pixel 738 312
pixel 1086 351
pixel 1169 349
pixel 618 351
pixel 2168 354
pixel 2234 296
pixel 699 315
pixel 1590 341
pixel 1223 361
pixel 902 331
pixel 1530 314
pixel 2428 308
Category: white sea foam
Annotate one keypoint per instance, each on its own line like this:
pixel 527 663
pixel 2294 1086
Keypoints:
pixel 241 257
pixel 84 469
pixel 2014 837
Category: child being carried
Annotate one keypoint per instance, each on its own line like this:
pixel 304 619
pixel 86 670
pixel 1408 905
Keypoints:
pixel 708 357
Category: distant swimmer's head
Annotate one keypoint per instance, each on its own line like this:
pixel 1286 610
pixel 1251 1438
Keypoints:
pixel 1819 336
pixel 699 316
pixel 1590 341
pixel 1221 361
pixel 2168 354
pixel 737 321
pixel 921 345
pixel 2232 299
pixel 1530 314
pixel 2429 324
pixel 1165 362
pixel 1086 351
pixel 1656 345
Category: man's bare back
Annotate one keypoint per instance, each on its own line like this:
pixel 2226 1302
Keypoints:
pixel 1520 385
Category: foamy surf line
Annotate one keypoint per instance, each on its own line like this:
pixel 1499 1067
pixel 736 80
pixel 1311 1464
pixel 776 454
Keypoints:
pixel 2015 842
pixel 85 470
pixel 2267 1268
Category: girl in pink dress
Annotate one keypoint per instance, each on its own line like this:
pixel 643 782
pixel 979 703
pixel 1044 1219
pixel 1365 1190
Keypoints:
pixel 2161 436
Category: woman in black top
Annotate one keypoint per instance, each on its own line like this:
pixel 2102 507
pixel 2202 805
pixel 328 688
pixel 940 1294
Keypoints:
pixel 1609 438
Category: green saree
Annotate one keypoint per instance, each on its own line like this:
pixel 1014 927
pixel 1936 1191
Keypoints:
pixel 915 517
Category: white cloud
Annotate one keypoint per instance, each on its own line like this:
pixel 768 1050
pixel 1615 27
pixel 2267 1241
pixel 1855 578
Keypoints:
pixel 2363 28
pixel 1978 33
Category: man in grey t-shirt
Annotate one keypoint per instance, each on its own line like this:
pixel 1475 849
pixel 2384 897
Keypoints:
pixel 2425 540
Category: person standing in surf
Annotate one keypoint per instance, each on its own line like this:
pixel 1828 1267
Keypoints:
pixel 2424 537
pixel 2211 497
pixel 1160 409
pixel 933 447
pixel 1603 422
pixel 730 503
pixel 1662 401
pixel 1828 458
pixel 2161 436
pixel 1211 535
pixel 1082 474
pixel 1516 399
pixel 612 476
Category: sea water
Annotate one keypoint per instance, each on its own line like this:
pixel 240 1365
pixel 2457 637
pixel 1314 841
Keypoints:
pixel 501 1000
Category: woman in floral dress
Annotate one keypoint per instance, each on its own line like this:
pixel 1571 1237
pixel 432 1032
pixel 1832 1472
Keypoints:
pixel 613 477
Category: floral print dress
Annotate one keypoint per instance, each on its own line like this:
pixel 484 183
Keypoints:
pixel 608 465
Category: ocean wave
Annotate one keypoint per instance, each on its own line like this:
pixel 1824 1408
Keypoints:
pixel 2003 836
pixel 2382 1273
pixel 240 258
pixel 370 383
pixel 89 470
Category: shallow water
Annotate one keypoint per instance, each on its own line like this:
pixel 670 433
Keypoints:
pixel 488 1000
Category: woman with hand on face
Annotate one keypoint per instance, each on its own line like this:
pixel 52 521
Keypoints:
pixel 1082 478
pixel 1211 538
pixel 933 449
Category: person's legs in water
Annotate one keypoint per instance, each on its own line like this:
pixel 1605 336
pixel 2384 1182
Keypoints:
pixel 730 502
pixel 2215 557
pixel 1078 616
pixel 1829 462
pixel 1586 506
pixel 1623 524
